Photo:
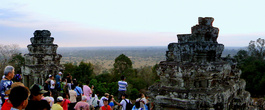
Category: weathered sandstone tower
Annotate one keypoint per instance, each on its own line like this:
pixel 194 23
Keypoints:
pixel 42 58
pixel 194 76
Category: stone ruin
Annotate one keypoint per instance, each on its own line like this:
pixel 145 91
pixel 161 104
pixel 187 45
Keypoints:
pixel 194 76
pixel 42 59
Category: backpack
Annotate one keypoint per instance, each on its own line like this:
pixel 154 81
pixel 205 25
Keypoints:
pixel 129 106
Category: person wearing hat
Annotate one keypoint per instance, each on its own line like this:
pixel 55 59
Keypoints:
pixel 106 105
pixel 58 79
pixel 58 106
pixel 7 105
pixel 19 98
pixel 82 105
pixel 36 102
pixel 106 96
pixel 6 83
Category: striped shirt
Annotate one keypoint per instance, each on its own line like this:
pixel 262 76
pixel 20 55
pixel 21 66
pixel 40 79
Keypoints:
pixel 122 85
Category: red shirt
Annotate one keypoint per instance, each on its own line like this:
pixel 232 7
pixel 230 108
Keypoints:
pixel 6 105
pixel 65 104
pixel 104 108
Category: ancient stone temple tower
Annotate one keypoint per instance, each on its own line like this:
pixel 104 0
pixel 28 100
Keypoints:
pixel 194 76
pixel 42 58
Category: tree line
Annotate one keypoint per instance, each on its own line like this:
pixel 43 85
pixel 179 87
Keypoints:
pixel 251 61
pixel 138 79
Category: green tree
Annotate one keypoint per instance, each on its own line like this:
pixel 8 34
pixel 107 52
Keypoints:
pixel 6 53
pixel 122 66
pixel 257 48
pixel 17 60
pixel 83 72
pixel 241 55
pixel 252 64
pixel 253 71
pixel 69 68
pixel 122 63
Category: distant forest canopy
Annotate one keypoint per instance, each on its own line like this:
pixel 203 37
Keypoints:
pixel 141 56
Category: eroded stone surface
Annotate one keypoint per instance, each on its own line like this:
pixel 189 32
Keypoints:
pixel 194 76
pixel 42 58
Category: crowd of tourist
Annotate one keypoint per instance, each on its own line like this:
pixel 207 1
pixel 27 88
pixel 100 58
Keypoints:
pixel 60 93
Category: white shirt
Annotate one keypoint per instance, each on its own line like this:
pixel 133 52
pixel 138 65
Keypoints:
pixel 94 101
pixel 73 95
pixel 101 101
pixel 123 103
pixel 122 85
pixel 52 86
pixel 141 103
pixel 52 101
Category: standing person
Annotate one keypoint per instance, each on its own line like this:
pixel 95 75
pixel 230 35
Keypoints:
pixel 88 92
pixel 73 96
pixel 52 99
pixel 79 92
pixel 94 100
pixel 111 103
pixel 6 83
pixel 142 100
pixel 69 81
pixel 36 102
pixel 65 90
pixel 124 102
pixel 63 86
pixel 49 95
pixel 106 96
pixel 58 79
pixel 58 106
pixel 52 86
pixel 137 106
pixel 19 97
pixel 48 100
pixel 122 87
pixel 47 84
pixel 66 101
pixel 7 105
pixel 105 106
pixel 82 105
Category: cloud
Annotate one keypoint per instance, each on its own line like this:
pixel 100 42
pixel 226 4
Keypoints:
pixel 126 23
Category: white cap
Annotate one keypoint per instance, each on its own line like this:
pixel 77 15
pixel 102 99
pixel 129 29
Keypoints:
pixel 60 73
pixel 84 98
pixel 59 99
pixel 47 99
pixel 50 75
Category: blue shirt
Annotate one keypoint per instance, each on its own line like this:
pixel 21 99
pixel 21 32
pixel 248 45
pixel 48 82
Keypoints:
pixel 122 85
pixel 78 90
pixel 111 104
pixel 4 86
pixel 57 78
pixel 14 108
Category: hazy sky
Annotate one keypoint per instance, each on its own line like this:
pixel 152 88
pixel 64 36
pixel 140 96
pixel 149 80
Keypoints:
pixel 128 23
